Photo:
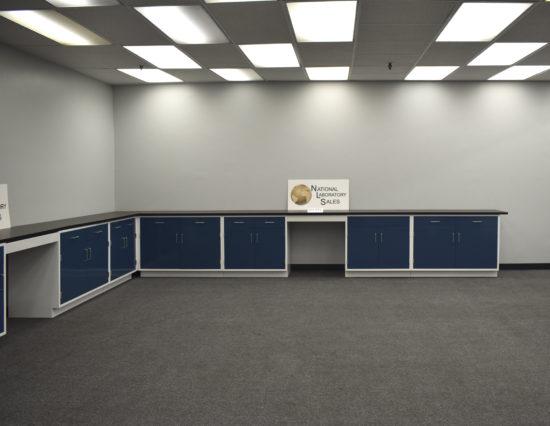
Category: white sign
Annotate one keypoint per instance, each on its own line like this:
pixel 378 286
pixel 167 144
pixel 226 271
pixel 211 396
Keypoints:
pixel 4 210
pixel 316 195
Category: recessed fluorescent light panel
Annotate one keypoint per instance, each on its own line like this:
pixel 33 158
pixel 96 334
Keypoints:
pixel 237 74
pixel 278 55
pixel 150 76
pixel 327 73
pixel 166 57
pixel 323 20
pixel 55 26
pixel 82 3
pixel 505 53
pixel 481 21
pixel 430 73
pixel 520 72
pixel 184 24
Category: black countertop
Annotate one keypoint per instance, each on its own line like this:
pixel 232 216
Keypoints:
pixel 36 229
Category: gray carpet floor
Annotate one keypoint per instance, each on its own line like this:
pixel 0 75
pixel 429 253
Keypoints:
pixel 311 349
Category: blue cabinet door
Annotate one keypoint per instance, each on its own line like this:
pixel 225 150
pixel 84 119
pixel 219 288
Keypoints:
pixel 434 242
pixel 74 258
pixel 239 243
pixel 160 243
pixel 394 242
pixel 476 242
pixel 2 294
pixel 123 253
pixel 97 266
pixel 269 243
pixel 363 240
pixel 201 243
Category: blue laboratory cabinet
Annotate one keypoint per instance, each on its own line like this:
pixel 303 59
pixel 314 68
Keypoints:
pixel 123 247
pixel 455 242
pixel 2 294
pixel 84 261
pixel 180 243
pixel 255 243
pixel 378 242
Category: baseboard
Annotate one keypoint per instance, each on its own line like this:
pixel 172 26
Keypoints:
pixel 508 266
pixel 317 267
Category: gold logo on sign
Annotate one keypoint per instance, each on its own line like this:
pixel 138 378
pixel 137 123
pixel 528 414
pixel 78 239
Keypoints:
pixel 300 195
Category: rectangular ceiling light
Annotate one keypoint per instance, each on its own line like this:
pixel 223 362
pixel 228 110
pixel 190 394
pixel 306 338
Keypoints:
pixel 82 3
pixel 481 21
pixel 327 73
pixel 236 1
pixel 520 72
pixel 55 26
pixel 166 57
pixel 505 53
pixel 184 24
pixel 323 20
pixel 237 74
pixel 150 76
pixel 429 73
pixel 278 55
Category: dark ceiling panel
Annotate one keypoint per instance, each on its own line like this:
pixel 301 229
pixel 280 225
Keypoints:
pixel 109 76
pixel 24 4
pixel 216 55
pixel 540 57
pixel 118 24
pixel 325 54
pixel 534 26
pixel 250 23
pixel 474 73
pixel 451 53
pixel 196 76
pixel 282 74
pixel 16 35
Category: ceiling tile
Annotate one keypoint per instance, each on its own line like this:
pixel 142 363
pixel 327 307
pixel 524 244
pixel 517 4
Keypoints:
pixel 534 26
pixel 474 73
pixel 543 76
pixel 196 76
pixel 118 24
pixel 451 53
pixel 374 33
pixel 540 57
pixel 109 76
pixel 406 12
pixel 378 54
pixel 325 54
pixel 136 3
pixel 216 55
pixel 87 56
pixel 16 35
pixel 24 4
pixel 282 74
pixel 379 73
pixel 252 23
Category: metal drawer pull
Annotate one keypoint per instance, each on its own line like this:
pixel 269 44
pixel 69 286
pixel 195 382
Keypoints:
pixel 176 237
pixel 159 222
pixel 375 237
pixel 269 221
pixel 251 239
pixel 477 221
pixel 99 232
pixel 453 237
pixel 75 237
pixel 459 238
pixel 117 227
pixel 257 238
pixel 199 222
pixel 237 221
pixel 381 237
pixel 435 221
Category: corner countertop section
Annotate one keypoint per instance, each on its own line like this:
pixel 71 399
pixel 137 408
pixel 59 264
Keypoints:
pixel 36 229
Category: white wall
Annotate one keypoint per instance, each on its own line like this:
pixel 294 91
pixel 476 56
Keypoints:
pixel 402 145
pixel 56 140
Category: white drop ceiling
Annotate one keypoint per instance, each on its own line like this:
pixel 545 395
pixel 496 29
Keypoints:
pixel 402 32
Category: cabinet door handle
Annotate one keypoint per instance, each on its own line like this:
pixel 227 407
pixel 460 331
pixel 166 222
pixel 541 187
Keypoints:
pixel 177 236
pixel 257 238
pixel 477 221
pixel 75 237
pixel 375 241
pixel 238 221
pixel 381 237
pixel 90 253
pixel 453 237
pixel 199 222
pixel 85 255
pixel 158 222
pixel 251 239
pixel 435 221
pixel 117 227
pixel 459 238
pixel 182 237
pixel 269 221
pixel 99 232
